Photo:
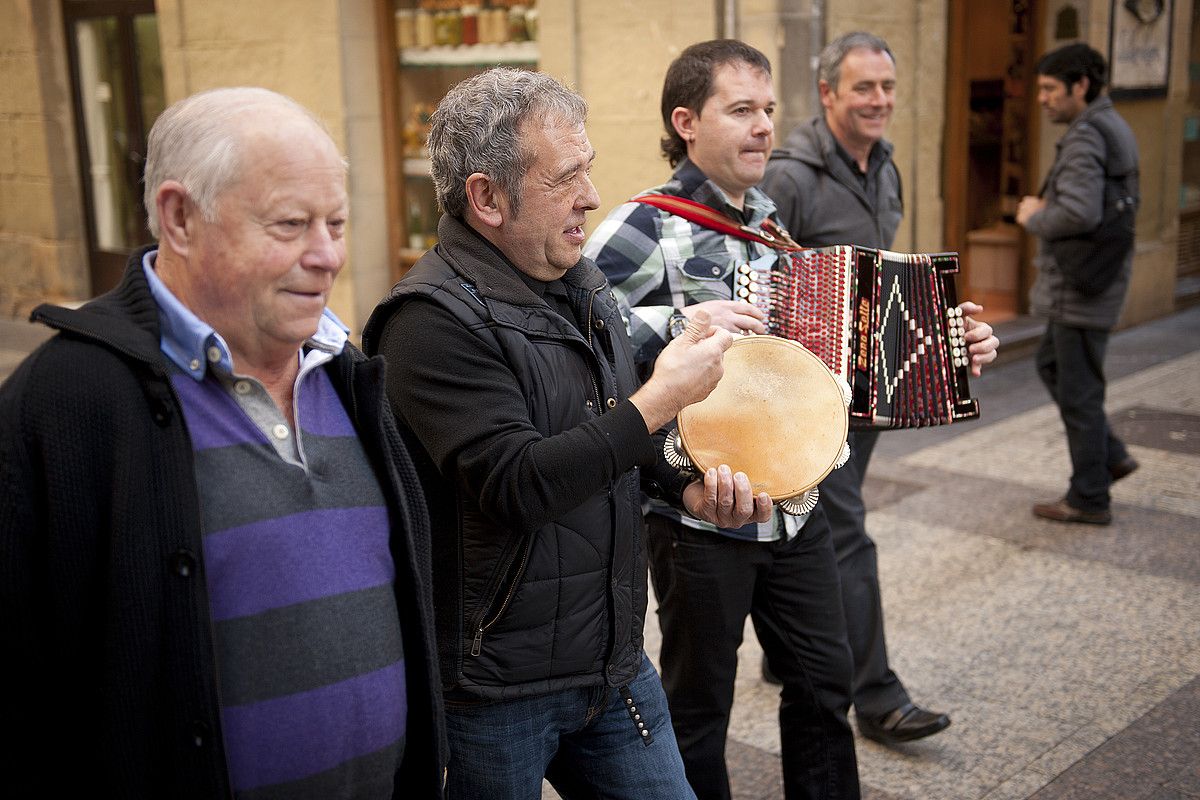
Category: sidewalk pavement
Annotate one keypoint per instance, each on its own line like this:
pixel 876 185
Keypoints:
pixel 1067 655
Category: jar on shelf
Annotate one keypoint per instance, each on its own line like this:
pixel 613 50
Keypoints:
pixel 497 24
pixel 424 26
pixel 416 225
pixel 413 134
pixel 531 22
pixel 406 28
pixel 516 24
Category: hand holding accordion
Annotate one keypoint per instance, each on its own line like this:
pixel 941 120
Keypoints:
pixel 885 327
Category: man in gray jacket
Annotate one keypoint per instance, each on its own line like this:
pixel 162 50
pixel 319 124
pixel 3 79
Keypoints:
pixel 834 182
pixel 1097 148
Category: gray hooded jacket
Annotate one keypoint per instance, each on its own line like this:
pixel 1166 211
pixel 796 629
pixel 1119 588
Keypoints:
pixel 821 202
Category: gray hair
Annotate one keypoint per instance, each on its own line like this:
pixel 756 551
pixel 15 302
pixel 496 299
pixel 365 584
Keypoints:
pixel 829 63
pixel 477 128
pixel 197 141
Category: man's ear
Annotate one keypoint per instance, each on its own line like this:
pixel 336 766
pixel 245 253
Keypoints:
pixel 684 122
pixel 484 200
pixel 1084 83
pixel 174 212
pixel 825 91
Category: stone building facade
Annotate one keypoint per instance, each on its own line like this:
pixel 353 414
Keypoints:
pixel 339 58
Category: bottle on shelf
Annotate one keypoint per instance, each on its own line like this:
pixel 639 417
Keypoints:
pixel 416 225
pixel 470 24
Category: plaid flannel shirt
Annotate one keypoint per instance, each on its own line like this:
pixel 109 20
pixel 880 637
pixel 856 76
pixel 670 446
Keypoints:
pixel 658 263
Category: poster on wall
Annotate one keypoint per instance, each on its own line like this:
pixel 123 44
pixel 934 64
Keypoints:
pixel 1140 48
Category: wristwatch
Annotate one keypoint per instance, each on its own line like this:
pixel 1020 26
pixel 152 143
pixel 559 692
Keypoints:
pixel 677 324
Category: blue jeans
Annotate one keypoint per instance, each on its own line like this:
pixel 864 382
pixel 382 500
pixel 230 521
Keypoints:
pixel 584 740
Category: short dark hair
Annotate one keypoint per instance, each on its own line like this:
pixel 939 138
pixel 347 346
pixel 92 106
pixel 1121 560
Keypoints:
pixel 690 79
pixel 1072 62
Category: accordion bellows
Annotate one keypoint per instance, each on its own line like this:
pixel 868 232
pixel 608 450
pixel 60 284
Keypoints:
pixel 888 323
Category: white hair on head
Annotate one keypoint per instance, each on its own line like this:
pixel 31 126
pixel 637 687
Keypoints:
pixel 197 141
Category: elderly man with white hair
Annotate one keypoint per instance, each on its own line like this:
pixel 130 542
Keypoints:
pixel 213 546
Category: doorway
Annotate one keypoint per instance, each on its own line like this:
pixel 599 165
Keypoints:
pixel 989 131
pixel 117 88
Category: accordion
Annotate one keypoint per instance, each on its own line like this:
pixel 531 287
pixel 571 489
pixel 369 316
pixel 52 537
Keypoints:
pixel 887 323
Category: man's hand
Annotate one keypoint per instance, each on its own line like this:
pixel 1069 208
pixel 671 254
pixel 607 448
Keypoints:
pixel 725 499
pixel 981 342
pixel 734 316
pixel 1029 206
pixel 685 372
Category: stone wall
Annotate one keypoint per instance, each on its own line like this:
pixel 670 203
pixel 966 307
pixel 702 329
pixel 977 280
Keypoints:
pixel 42 253
pixel 589 46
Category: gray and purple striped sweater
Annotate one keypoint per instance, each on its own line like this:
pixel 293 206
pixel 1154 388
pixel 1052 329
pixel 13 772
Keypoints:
pixel 300 578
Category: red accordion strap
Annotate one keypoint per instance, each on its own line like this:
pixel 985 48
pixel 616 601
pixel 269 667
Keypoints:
pixel 771 234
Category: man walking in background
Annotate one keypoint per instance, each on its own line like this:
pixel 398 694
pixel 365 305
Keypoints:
pixel 1083 219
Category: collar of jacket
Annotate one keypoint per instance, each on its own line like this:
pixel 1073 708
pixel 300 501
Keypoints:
pixel 1090 112
pixel 124 319
pixel 812 143
pixel 493 276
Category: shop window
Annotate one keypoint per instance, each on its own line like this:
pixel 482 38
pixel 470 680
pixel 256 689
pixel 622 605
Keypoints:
pixel 438 43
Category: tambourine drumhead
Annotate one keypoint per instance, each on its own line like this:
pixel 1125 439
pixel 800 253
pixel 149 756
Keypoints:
pixel 778 414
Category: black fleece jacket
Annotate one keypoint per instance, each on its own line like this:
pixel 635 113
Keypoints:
pixel 104 611
pixel 530 453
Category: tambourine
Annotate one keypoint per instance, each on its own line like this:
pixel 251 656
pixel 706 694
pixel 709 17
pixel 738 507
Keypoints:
pixel 778 414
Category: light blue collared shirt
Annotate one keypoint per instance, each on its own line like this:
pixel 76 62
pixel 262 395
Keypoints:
pixel 192 343
pixel 195 347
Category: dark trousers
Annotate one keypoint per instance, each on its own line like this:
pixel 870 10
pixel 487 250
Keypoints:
pixel 706 585
pixel 876 689
pixel 1070 362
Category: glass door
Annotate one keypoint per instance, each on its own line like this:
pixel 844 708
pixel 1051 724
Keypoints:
pixel 117 86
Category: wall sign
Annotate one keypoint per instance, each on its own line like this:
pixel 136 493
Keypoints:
pixel 1139 57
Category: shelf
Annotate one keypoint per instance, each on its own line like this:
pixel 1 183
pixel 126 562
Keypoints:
pixel 416 167
pixel 474 55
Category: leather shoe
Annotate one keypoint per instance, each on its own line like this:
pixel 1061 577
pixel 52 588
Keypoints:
pixel 903 724
pixel 1122 468
pixel 1062 511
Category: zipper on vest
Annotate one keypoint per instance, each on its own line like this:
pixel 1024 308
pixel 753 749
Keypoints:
pixel 477 642
pixel 592 349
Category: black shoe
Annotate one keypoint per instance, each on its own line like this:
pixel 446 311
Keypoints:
pixel 903 724
pixel 1123 468
pixel 768 676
